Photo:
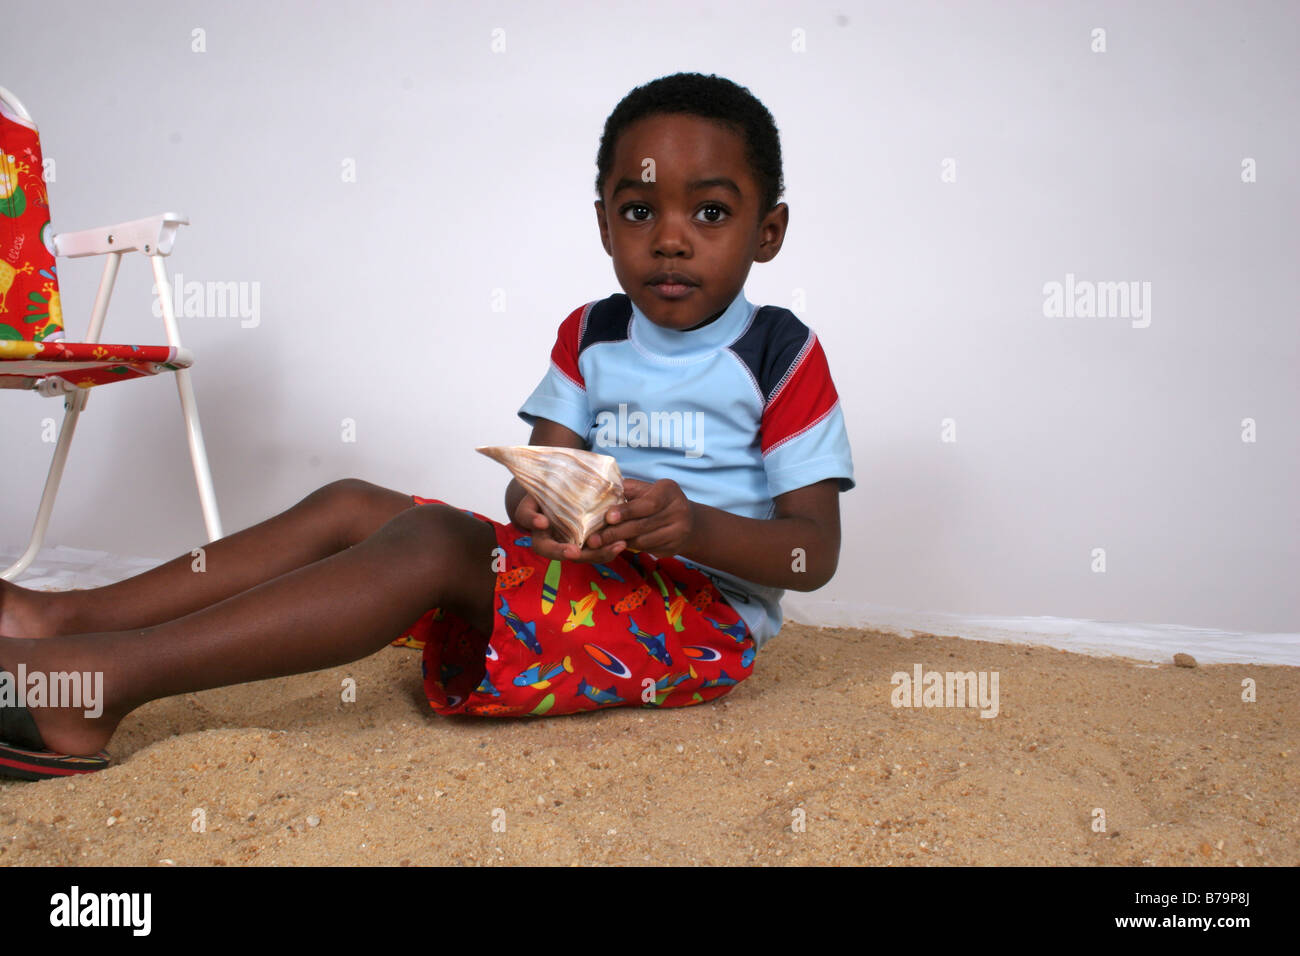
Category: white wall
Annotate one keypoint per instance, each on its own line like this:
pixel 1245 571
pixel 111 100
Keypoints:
pixel 474 173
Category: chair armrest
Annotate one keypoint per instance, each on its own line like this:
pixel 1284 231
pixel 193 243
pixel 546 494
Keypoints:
pixel 152 236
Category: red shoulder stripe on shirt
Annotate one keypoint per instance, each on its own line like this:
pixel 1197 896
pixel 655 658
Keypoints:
pixel 564 354
pixel 805 396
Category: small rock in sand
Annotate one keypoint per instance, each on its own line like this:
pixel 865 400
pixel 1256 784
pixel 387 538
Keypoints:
pixel 1184 660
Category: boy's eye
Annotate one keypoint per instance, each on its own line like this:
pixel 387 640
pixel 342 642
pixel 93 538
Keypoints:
pixel 710 208
pixel 641 212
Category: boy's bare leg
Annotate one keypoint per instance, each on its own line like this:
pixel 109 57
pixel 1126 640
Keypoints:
pixel 329 519
pixel 339 609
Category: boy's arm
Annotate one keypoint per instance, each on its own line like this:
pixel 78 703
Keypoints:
pixel 798 548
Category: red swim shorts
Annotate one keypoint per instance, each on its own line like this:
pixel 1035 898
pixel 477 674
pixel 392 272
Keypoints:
pixel 572 636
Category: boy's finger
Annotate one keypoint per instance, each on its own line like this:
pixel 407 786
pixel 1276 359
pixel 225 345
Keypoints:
pixel 527 513
pixel 600 555
pixel 634 488
pixel 634 508
pixel 625 531
pixel 551 549
pixel 607 538
pixel 591 550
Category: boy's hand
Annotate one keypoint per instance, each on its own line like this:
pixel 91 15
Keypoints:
pixel 658 517
pixel 529 517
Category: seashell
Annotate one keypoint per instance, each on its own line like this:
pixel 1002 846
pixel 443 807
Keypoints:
pixel 573 488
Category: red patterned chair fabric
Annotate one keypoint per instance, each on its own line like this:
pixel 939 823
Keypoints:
pixel 31 315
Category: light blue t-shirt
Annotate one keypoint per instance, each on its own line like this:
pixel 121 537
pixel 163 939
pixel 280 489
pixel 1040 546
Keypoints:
pixel 737 412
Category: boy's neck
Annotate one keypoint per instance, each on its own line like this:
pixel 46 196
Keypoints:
pixel 697 342
pixel 711 319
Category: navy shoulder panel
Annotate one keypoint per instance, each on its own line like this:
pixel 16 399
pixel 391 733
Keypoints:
pixel 607 321
pixel 770 346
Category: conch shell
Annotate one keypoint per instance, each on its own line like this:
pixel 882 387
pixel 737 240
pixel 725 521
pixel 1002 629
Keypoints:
pixel 574 488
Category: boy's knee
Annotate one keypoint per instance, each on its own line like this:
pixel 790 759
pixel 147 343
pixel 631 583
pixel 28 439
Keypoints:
pixel 455 550
pixel 349 488
pixel 362 506
pixel 448 534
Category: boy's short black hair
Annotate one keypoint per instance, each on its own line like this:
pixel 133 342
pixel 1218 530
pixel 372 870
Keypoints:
pixel 711 97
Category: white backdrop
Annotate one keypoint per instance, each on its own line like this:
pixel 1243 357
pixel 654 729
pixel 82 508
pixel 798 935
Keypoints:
pixel 474 173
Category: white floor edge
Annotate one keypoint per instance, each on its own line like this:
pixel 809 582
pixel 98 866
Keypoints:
pixel 1146 642
pixel 61 567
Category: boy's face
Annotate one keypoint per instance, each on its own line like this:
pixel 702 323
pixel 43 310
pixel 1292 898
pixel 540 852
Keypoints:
pixel 689 223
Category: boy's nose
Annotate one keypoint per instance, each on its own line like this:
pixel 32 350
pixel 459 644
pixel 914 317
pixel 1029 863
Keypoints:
pixel 671 237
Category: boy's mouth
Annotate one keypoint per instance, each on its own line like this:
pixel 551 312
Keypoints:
pixel 672 285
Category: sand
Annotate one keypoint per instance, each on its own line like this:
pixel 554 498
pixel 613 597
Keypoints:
pixel 807 762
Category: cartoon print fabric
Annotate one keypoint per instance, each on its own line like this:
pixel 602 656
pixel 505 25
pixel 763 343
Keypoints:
pixel 570 636
pixel 29 291
pixel 31 311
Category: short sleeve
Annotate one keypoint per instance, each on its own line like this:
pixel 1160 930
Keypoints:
pixel 561 396
pixel 803 436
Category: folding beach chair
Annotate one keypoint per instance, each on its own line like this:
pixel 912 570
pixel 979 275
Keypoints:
pixel 33 352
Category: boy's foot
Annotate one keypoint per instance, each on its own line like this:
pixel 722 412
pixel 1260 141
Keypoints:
pixel 23 754
pixel 49 722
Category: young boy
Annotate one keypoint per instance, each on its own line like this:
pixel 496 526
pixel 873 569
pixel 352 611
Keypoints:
pixel 723 418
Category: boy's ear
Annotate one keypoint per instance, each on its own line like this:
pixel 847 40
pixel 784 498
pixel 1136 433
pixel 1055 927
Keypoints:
pixel 771 232
pixel 603 225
